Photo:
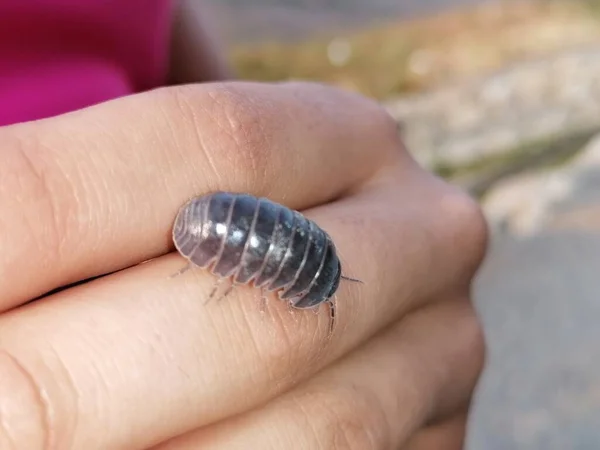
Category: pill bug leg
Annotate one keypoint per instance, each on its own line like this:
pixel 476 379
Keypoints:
pixel 263 301
pixel 216 285
pixel 227 291
pixel 332 313
pixel 291 301
pixel 181 271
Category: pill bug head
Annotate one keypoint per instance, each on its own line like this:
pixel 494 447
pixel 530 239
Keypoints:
pixel 336 282
pixel 326 283
pixel 188 226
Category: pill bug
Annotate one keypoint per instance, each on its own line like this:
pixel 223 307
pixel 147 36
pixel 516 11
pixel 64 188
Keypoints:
pixel 256 241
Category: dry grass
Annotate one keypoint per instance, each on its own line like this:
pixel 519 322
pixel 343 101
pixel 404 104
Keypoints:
pixel 408 56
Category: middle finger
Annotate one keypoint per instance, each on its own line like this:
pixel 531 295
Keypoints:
pixel 141 358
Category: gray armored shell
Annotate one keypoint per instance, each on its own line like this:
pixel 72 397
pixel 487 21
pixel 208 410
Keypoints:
pixel 255 240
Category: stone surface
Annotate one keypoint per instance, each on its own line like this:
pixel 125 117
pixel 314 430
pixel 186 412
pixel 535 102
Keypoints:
pixel 461 122
pixel 538 295
pixel 567 197
pixel 539 300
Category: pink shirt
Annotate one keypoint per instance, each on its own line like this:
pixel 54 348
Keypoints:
pixel 61 55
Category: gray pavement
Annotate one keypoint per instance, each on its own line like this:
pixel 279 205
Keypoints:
pixel 539 300
pixel 538 295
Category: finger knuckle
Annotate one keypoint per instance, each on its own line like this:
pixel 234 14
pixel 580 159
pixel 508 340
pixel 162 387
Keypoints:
pixel 468 350
pixel 368 111
pixel 44 191
pixel 46 408
pixel 386 125
pixel 475 341
pixel 348 418
pixel 467 225
pixel 240 124
pixel 289 352
pixel 25 416
pixel 368 120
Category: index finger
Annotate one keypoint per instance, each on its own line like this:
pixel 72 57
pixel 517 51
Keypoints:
pixel 95 191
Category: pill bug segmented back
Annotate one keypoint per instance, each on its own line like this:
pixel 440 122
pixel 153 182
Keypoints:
pixel 256 241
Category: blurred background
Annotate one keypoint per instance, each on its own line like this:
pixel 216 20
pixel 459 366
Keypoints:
pixel 503 99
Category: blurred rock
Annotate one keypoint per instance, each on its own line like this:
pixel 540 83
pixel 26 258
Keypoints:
pixel 563 198
pixel 538 298
pixel 462 122
pixel 538 295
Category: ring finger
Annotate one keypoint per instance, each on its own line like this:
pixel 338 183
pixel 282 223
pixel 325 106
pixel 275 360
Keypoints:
pixel 374 399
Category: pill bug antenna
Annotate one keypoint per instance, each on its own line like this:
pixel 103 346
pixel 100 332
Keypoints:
pixel 351 279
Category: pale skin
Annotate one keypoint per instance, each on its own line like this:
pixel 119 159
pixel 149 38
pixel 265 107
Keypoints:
pixel 136 360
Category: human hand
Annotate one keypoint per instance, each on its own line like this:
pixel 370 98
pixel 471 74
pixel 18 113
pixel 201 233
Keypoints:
pixel 135 359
